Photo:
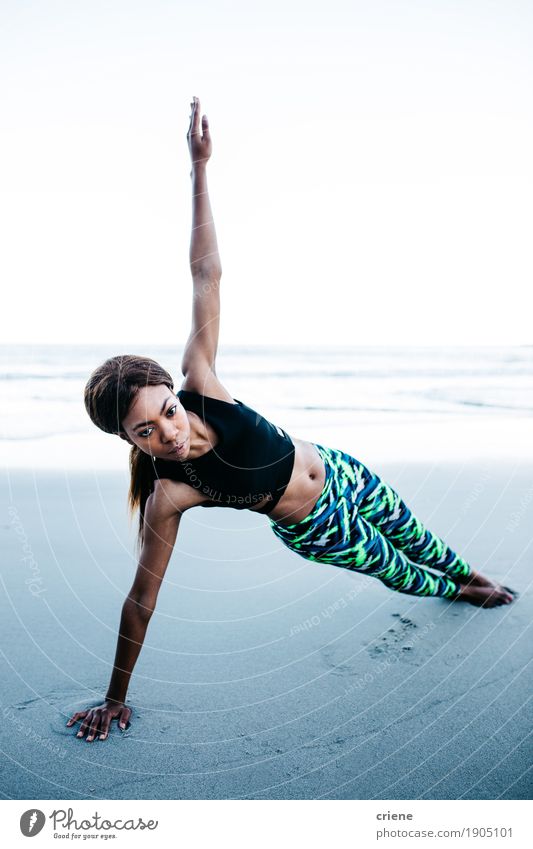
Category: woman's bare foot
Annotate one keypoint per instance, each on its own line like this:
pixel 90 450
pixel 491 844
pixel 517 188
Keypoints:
pixel 483 595
pixel 476 579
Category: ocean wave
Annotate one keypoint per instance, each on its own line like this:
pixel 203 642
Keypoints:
pixel 307 374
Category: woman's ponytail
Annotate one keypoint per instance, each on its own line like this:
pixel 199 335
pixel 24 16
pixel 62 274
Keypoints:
pixel 142 477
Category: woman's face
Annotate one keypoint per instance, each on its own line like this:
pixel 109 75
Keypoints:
pixel 158 424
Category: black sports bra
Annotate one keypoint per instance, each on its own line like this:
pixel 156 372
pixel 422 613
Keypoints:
pixel 252 460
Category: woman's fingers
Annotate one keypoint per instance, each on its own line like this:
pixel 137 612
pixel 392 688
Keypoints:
pixel 104 728
pixel 76 716
pixel 96 722
pixel 199 136
pixel 93 729
pixel 194 125
pixel 125 714
pixel 196 116
pixel 85 724
pixel 191 122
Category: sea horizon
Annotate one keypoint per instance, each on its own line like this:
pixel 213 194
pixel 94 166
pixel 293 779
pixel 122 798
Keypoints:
pixel 390 403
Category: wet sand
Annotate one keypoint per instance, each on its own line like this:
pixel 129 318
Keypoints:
pixel 264 676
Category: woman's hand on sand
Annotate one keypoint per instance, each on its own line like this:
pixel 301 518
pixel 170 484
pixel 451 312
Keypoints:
pixel 198 137
pixel 97 720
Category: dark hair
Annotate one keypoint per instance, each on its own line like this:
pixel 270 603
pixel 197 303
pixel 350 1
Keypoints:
pixel 108 395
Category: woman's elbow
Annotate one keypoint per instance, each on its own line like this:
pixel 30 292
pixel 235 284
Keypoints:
pixel 140 606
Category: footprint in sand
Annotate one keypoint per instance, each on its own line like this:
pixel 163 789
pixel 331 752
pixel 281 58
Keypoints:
pixel 396 640
pixel 393 640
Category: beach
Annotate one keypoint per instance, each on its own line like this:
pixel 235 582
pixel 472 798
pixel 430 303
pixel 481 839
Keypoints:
pixel 264 676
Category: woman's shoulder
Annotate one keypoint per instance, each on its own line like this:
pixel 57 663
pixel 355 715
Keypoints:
pixel 170 496
pixel 203 381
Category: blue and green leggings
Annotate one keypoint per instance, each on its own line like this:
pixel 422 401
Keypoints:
pixel 360 523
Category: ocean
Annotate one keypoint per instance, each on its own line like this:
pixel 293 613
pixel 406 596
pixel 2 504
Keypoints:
pixel 381 404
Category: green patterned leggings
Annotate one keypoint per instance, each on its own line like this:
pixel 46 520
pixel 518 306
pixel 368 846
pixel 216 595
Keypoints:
pixel 360 523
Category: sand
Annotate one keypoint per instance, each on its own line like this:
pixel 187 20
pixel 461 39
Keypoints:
pixel 264 676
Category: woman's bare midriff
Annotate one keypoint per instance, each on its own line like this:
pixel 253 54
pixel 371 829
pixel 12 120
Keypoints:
pixel 304 488
pixel 302 492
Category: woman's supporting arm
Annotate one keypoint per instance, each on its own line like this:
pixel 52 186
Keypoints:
pixel 132 631
pixel 96 721
pixel 161 521
pixel 204 258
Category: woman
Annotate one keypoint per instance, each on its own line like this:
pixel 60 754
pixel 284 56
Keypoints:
pixel 203 447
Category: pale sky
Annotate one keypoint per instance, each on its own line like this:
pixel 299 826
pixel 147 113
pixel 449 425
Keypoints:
pixel 371 178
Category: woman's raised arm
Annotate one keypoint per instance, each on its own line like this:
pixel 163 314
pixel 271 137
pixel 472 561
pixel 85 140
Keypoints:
pixel 200 350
